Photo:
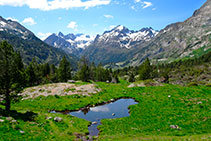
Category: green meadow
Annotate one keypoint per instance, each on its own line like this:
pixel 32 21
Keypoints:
pixel 158 108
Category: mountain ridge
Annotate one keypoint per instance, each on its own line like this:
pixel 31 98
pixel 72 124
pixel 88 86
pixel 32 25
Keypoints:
pixel 29 46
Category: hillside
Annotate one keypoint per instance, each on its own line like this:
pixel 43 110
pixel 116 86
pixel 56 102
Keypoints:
pixel 115 45
pixel 179 40
pixel 191 38
pixel 25 42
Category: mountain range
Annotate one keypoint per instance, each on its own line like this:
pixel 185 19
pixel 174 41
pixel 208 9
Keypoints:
pixel 69 43
pixel 119 46
pixel 29 46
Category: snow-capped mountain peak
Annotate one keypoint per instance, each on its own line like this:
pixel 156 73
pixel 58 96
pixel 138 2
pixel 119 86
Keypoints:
pixel 72 43
pixel 13 27
pixel 125 37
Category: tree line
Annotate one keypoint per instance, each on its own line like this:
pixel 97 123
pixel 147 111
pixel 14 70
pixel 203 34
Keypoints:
pixel 15 76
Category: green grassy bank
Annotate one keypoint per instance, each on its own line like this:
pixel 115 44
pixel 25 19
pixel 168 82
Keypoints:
pixel 159 107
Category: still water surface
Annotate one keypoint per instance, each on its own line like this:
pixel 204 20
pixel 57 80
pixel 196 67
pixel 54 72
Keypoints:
pixel 117 109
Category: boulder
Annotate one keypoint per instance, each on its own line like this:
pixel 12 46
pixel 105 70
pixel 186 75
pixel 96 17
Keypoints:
pixel 57 119
pixel 132 85
pixel 71 81
pixel 48 118
pixel 175 127
pixel 14 121
pixel 22 132
pixel 94 122
pixel 9 118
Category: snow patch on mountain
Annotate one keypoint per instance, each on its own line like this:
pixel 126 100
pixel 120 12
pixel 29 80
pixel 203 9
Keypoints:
pixel 125 37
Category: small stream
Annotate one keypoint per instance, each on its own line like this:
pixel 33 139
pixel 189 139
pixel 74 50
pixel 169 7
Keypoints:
pixel 117 109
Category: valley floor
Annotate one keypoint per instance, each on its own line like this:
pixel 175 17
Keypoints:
pixel 159 107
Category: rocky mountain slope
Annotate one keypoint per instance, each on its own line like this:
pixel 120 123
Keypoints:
pixel 113 46
pixel 190 38
pixel 70 43
pixel 25 42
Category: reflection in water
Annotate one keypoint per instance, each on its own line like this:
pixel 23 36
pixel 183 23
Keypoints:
pixel 100 109
pixel 117 109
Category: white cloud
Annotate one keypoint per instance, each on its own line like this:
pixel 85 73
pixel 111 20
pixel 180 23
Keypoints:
pixel 109 16
pixel 29 21
pixel 146 4
pixel 54 4
pixel 59 18
pixel 100 109
pixel 43 36
pixel 153 9
pixel 137 1
pixel 72 25
pixel 13 19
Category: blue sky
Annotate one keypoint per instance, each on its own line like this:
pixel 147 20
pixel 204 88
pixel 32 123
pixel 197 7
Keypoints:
pixel 92 17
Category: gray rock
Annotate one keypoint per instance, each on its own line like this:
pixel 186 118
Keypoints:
pixel 175 127
pixel 22 132
pixel 9 118
pixel 71 81
pixel 48 118
pixel 94 122
pixel 14 121
pixel 131 85
pixel 58 119
pixel 1 120
pixel 199 102
pixel 111 100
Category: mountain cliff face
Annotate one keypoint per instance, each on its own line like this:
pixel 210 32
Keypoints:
pixel 70 43
pixel 29 46
pixel 113 46
pixel 178 40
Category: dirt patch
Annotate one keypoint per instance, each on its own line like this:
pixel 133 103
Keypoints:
pixel 60 89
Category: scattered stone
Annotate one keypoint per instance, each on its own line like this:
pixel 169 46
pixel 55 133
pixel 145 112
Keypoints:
pixel 9 118
pixel 113 114
pixel 199 102
pixel 111 100
pixel 1 120
pixel 22 132
pixel 175 127
pixel 131 85
pixel 57 119
pixel 94 122
pixel 14 121
pixel 71 81
pixel 48 118
pixel 141 84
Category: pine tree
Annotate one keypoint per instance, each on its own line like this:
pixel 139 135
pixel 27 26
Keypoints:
pixel 64 70
pixel 30 75
pixel 10 68
pixel 131 77
pixel 145 70
pixel 84 70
